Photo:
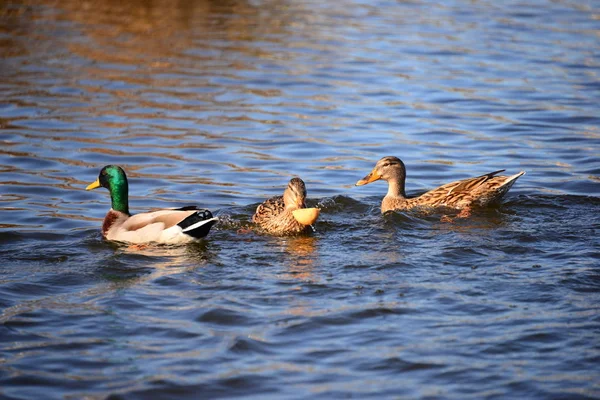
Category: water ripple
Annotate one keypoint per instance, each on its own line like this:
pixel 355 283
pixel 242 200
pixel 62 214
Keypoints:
pixel 220 104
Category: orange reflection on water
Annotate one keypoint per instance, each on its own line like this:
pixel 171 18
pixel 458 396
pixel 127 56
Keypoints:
pixel 301 251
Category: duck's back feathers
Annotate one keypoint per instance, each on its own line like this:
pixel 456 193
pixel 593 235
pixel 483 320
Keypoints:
pixel 479 191
pixel 268 209
pixel 472 184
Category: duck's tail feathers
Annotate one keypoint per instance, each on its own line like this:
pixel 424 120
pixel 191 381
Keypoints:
pixel 507 184
pixel 198 224
pixel 511 179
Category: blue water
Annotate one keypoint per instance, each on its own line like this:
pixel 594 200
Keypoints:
pixel 219 104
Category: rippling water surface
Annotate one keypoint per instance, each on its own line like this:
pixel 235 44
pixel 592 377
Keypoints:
pixel 219 104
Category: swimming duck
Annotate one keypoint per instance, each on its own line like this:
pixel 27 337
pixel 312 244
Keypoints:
pixel 167 226
pixel 287 214
pixel 479 191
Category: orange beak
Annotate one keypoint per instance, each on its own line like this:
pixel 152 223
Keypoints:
pixel 372 177
pixel 306 216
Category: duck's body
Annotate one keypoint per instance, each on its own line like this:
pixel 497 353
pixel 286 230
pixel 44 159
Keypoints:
pixel 463 194
pixel 166 226
pixel 273 217
pixel 276 215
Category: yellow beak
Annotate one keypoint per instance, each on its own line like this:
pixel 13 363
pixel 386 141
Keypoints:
pixel 93 185
pixel 372 177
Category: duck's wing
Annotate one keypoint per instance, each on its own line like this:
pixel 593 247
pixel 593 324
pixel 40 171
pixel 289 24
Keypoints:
pixel 472 185
pixel 270 208
pixel 481 190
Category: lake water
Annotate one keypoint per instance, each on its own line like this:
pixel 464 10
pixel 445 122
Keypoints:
pixel 220 104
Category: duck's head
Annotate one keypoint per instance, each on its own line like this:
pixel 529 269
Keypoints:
pixel 113 178
pixel 295 194
pixel 388 169
pixel 294 198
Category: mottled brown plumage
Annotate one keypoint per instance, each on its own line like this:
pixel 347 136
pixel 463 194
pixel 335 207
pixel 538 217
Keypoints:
pixel 479 191
pixel 275 215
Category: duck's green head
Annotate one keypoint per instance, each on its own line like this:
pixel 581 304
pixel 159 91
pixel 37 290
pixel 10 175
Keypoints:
pixel 114 179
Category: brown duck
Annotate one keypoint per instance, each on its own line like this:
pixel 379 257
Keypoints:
pixel 464 194
pixel 287 214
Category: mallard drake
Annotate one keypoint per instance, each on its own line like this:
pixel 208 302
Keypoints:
pixel 287 214
pixel 168 226
pixel 479 191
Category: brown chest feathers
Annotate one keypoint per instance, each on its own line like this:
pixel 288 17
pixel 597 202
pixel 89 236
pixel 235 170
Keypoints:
pixel 109 220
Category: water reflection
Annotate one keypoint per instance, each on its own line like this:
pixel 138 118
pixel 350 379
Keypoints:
pixel 301 253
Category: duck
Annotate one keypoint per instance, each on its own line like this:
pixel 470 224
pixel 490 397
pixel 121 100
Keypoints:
pixel 462 195
pixel 287 214
pixel 163 226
